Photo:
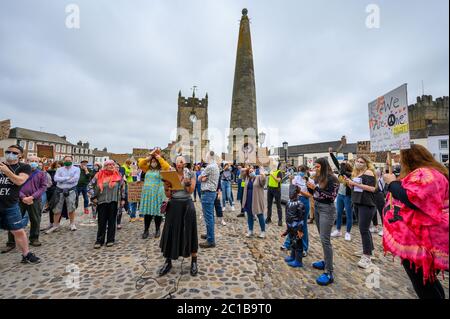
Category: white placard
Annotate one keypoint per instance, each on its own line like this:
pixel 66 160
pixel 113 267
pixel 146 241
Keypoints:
pixel 388 121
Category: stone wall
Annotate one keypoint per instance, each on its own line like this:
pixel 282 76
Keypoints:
pixel 5 127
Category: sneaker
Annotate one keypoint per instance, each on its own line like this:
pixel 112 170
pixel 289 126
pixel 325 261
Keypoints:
pixel 203 236
pixel 119 227
pixel 207 245
pixel 289 259
pixel 132 220
pixel 348 237
pixel 365 262
pixel 374 229
pixel 360 253
pixel 325 279
pixel 305 254
pixel 280 223
pixel 319 265
pixel 73 227
pixel 46 228
pixel 86 211
pixel 223 222
pixel 268 221
pixel 97 246
pixel 262 235
pixel 232 208
pixel 52 229
pixel 249 234
pixel 282 247
pixel 110 244
pixel 30 259
pixel 295 264
pixel 35 243
pixel 380 233
pixel 336 233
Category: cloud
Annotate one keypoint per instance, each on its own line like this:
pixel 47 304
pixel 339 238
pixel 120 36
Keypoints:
pixel 114 82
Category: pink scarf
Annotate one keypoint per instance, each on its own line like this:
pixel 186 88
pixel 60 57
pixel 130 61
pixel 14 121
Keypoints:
pixel 420 236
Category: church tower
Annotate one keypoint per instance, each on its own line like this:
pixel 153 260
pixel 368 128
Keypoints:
pixel 243 108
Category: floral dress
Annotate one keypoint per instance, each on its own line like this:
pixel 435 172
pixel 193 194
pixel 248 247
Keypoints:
pixel 152 194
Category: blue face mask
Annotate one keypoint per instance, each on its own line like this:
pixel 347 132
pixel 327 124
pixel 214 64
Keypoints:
pixel 11 157
pixel 34 165
pixel 301 174
pixel 252 174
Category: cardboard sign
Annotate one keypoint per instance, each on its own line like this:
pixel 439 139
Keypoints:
pixel 45 151
pixel 363 148
pixel 389 122
pixel 2 152
pixel 135 192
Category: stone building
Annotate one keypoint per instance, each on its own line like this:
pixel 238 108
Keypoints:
pixel 192 126
pixel 427 112
pixel 243 108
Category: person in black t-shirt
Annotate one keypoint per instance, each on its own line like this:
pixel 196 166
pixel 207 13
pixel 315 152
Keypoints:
pixel 13 175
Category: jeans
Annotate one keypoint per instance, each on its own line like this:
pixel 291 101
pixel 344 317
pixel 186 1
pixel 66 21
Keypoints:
pixel 226 193
pixel 107 214
pixel 133 208
pixel 250 222
pixel 365 216
pixel 208 199
pixel 305 239
pixel 274 193
pixel 325 215
pixel 344 201
pixel 218 207
pixel 198 190
pixel 83 190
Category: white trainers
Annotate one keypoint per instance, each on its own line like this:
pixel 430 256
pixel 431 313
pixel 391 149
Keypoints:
pixel 360 253
pixel 52 229
pixel 249 234
pixel 262 235
pixel 223 222
pixel 380 233
pixel 348 237
pixel 336 233
pixel 232 208
pixel 73 227
pixel 374 229
pixel 365 262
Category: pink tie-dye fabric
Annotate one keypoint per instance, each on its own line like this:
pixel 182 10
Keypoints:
pixel 420 236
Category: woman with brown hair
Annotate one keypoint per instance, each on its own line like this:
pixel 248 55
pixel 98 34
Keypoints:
pixel 325 189
pixel 364 185
pixel 152 191
pixel 416 223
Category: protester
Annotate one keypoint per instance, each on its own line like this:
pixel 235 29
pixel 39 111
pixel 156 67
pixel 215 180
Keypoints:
pixel 325 189
pixel 131 206
pixel 153 191
pixel 198 187
pixel 13 175
pixel 209 179
pixel 253 199
pixel 97 168
pixel 344 198
pixel 51 192
pixel 240 192
pixel 108 192
pixel 380 202
pixel 218 206
pixel 225 180
pixel 363 184
pixel 121 208
pixel 416 221
pixel 179 237
pixel 274 192
pixel 82 187
pixel 67 180
pixel 295 220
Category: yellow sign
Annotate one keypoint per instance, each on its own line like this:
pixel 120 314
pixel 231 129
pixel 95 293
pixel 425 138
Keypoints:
pixel 400 129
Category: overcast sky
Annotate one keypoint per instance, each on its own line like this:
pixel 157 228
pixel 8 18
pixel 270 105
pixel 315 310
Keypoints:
pixel 115 81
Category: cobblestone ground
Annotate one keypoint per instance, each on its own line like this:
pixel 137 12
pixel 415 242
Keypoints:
pixel 237 268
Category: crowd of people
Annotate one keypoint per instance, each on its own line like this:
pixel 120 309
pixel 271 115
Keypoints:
pixel 412 204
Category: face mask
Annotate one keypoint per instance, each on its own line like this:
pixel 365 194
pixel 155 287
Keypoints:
pixel 154 165
pixel 67 164
pixel 252 174
pixel 34 165
pixel 360 165
pixel 301 174
pixel 12 157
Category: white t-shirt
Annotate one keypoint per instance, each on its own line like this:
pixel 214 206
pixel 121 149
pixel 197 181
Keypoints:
pixel 300 182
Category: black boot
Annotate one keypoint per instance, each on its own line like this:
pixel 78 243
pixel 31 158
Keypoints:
pixel 145 234
pixel 194 266
pixel 158 233
pixel 165 268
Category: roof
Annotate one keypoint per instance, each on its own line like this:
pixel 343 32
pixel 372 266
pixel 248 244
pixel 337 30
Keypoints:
pixel 98 153
pixel 26 134
pixel 318 148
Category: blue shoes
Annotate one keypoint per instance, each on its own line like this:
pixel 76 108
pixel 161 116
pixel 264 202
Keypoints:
pixel 295 264
pixel 289 259
pixel 325 279
pixel 319 265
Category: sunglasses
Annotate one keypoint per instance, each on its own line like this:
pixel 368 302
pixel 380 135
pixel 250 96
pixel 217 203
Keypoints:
pixel 11 152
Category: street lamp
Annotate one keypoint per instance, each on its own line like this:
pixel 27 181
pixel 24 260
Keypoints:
pixel 285 146
pixel 262 138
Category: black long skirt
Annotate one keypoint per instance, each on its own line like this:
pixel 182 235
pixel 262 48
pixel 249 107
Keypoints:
pixel 179 237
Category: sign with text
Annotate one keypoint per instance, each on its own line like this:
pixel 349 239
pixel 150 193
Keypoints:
pixel 388 121
pixel 45 151
pixel 364 148
pixel 135 192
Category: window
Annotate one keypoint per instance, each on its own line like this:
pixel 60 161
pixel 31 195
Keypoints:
pixel 58 148
pixel 69 149
pixel 63 149
pixel 77 159
pixel 443 144
pixel 31 146
pixel 23 144
pixel 444 158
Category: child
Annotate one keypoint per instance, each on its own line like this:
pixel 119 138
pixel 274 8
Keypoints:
pixel 295 212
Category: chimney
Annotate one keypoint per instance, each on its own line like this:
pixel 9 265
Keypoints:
pixel 105 149
pixel 80 143
pixel 64 137
pixel 5 127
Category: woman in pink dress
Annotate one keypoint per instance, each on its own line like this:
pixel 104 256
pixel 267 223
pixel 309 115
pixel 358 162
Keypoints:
pixel 416 224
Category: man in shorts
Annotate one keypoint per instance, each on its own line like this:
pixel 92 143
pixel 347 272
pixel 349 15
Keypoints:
pixel 12 176
pixel 66 179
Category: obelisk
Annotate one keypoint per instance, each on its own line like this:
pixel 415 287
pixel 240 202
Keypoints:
pixel 243 107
